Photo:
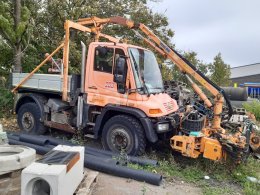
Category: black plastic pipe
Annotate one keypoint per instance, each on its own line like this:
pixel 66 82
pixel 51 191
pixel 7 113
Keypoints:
pixel 50 141
pixel 39 149
pixel 13 137
pixel 132 159
pixel 38 140
pixel 98 164
pixel 56 141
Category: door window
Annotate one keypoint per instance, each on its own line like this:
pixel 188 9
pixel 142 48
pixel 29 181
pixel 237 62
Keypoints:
pixel 104 59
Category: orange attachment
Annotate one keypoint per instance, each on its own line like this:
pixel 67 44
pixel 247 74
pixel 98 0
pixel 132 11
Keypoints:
pixel 191 146
pixel 211 149
pixel 187 145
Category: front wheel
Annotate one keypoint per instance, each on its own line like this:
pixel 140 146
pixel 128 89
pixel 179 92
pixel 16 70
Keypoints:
pixel 124 133
pixel 28 118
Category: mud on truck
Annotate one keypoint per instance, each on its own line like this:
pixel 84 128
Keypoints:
pixel 119 96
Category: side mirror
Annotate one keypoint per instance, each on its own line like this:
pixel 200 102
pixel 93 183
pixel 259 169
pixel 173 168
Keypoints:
pixel 120 72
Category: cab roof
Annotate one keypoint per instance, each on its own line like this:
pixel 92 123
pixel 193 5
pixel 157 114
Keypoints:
pixel 124 45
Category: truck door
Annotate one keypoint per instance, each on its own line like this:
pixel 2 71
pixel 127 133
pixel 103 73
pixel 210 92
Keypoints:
pixel 103 90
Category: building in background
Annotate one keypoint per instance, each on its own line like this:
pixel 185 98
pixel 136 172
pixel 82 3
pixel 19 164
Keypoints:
pixel 245 74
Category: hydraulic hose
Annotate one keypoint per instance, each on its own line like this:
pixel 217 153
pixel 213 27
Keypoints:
pixel 230 109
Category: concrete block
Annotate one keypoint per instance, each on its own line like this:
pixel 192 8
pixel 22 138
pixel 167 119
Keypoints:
pixel 49 176
pixel 15 157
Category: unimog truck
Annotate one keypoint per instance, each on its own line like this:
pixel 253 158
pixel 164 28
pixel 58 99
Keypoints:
pixel 119 96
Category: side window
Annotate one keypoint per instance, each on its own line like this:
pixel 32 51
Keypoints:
pixel 119 53
pixel 103 59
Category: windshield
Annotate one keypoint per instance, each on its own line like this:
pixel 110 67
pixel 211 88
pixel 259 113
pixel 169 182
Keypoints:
pixel 146 70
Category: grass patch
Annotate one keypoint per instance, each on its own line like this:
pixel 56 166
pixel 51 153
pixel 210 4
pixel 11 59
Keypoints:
pixel 224 178
pixel 251 188
pixel 208 190
pixel 253 107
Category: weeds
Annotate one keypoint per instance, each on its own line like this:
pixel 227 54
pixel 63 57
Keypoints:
pixel 253 107
pixel 209 190
pixel 6 102
pixel 224 178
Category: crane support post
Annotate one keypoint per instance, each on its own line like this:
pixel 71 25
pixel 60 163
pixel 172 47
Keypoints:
pixel 78 26
pixel 66 61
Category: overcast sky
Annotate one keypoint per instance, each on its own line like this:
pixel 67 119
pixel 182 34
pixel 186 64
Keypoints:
pixel 207 27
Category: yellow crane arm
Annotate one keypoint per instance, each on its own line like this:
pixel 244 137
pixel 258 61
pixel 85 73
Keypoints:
pixel 155 42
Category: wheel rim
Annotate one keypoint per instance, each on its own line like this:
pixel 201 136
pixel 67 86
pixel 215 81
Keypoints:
pixel 120 139
pixel 28 121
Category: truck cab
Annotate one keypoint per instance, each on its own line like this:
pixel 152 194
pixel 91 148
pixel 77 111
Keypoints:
pixel 126 75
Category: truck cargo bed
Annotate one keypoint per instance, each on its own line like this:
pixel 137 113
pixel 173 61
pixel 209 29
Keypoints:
pixel 46 82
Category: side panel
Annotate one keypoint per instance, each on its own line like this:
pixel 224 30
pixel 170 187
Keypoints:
pixel 47 82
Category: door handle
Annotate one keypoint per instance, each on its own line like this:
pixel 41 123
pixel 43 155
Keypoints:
pixel 92 87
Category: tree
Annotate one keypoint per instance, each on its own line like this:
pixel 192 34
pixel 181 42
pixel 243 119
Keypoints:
pixel 14 25
pixel 191 56
pixel 30 28
pixel 51 21
pixel 220 72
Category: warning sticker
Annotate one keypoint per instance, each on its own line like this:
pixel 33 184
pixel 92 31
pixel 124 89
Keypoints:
pixel 109 85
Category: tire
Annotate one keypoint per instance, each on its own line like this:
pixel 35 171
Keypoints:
pixel 28 118
pixel 124 133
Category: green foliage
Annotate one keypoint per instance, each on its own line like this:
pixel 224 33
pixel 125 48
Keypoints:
pixel 13 37
pixel 192 57
pixel 6 102
pixel 220 71
pixel 42 27
pixel 251 188
pixel 253 107
pixel 209 190
pixel 224 178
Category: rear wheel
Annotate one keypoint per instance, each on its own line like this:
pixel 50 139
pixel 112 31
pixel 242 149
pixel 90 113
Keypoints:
pixel 28 118
pixel 124 133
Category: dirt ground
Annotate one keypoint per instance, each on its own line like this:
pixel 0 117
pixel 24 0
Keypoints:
pixel 110 185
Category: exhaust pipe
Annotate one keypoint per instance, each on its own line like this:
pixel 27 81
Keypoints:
pixel 83 65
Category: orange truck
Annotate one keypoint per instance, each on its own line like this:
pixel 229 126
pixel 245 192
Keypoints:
pixel 119 96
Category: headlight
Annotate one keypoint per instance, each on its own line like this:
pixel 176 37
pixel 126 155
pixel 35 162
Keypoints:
pixel 161 127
